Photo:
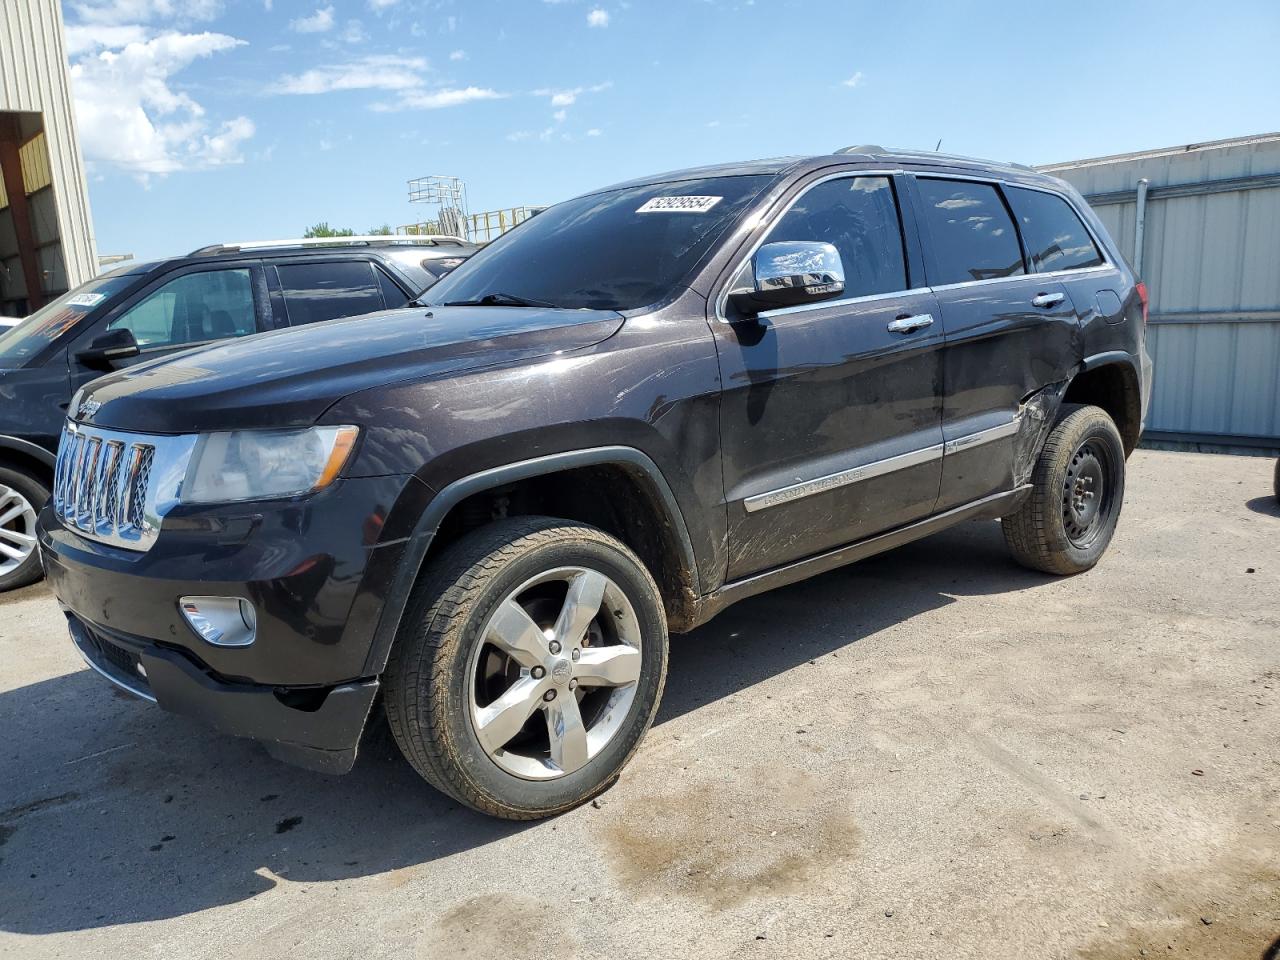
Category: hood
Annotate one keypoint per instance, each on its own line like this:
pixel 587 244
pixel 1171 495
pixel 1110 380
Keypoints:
pixel 288 378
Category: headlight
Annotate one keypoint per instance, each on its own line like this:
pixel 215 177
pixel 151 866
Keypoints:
pixel 263 464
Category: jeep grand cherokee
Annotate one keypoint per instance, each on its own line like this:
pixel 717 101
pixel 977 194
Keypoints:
pixel 484 513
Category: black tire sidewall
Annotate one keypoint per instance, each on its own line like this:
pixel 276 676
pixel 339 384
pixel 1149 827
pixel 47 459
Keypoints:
pixel 36 494
pixel 1085 425
pixel 549 796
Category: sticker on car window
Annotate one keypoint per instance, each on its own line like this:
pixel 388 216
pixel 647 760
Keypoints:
pixel 86 299
pixel 679 204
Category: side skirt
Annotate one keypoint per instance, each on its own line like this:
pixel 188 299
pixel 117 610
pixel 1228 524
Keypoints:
pixel 994 506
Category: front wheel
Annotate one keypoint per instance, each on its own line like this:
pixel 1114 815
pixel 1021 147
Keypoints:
pixel 21 497
pixel 1066 523
pixel 529 664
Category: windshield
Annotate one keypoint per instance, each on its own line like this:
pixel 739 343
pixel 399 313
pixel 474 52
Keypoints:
pixel 19 344
pixel 619 250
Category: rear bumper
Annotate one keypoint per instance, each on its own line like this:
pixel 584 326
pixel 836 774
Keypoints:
pixel 317 728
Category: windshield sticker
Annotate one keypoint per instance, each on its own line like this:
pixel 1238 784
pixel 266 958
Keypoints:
pixel 679 204
pixel 86 299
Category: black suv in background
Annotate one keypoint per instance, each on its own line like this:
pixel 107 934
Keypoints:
pixel 484 512
pixel 142 311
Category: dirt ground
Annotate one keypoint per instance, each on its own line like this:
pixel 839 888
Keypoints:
pixel 930 754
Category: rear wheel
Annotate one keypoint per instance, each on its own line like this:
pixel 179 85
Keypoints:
pixel 21 497
pixel 1066 523
pixel 530 662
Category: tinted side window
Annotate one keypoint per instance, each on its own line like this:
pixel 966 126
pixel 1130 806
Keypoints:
pixel 392 295
pixel 327 290
pixel 973 236
pixel 859 217
pixel 210 305
pixel 1055 237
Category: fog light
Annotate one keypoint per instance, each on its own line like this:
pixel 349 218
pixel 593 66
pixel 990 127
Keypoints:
pixel 224 621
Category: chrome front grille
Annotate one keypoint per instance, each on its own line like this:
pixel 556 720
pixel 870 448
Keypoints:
pixel 115 487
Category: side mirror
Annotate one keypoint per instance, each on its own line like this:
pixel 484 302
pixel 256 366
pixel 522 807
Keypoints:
pixel 103 352
pixel 791 272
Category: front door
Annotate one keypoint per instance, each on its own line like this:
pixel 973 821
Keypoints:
pixel 196 306
pixel 830 416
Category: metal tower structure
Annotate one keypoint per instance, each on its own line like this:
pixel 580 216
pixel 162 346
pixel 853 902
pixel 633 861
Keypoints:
pixel 448 198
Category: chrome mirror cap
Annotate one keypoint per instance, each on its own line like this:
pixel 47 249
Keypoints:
pixel 790 272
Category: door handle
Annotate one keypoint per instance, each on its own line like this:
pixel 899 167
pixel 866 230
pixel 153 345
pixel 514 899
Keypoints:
pixel 1047 300
pixel 910 323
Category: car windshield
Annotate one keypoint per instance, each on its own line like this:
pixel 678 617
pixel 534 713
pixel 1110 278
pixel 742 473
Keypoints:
pixel 20 343
pixel 618 250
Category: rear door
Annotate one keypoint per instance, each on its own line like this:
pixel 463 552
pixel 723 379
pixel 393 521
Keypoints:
pixel 1009 332
pixel 830 418
pixel 312 291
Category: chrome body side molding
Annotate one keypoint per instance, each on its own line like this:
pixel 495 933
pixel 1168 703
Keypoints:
pixel 878 468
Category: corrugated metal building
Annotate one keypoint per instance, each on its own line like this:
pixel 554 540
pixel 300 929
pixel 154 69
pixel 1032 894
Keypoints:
pixel 1210 254
pixel 46 233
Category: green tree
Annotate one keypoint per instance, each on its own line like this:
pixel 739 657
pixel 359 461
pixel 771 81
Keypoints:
pixel 322 229
pixel 386 230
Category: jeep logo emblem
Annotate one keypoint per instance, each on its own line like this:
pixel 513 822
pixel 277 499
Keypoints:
pixel 561 672
pixel 87 409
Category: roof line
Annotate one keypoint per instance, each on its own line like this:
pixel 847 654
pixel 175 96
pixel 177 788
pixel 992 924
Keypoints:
pixel 1161 151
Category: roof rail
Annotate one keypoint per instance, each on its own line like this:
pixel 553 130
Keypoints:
pixel 377 240
pixel 872 149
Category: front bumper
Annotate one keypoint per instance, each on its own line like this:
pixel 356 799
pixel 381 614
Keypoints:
pixel 316 572
pixel 314 728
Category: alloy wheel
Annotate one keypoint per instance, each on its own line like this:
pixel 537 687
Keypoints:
pixel 555 673
pixel 17 530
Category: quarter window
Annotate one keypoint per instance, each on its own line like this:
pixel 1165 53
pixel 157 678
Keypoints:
pixel 193 308
pixel 328 290
pixel 1055 237
pixel 973 235
pixel 859 217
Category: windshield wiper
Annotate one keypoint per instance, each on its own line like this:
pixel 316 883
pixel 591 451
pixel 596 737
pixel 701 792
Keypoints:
pixel 499 300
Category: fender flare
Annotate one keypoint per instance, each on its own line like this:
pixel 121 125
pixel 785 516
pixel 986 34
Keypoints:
pixel 458 490
pixel 27 448
pixel 1110 357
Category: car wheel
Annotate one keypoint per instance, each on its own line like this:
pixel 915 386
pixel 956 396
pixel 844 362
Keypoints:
pixel 21 498
pixel 530 662
pixel 1275 482
pixel 1077 488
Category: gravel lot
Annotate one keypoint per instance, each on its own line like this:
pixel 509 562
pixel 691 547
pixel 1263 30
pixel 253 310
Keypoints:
pixel 929 754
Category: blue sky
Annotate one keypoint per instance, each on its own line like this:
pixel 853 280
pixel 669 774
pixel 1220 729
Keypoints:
pixel 207 120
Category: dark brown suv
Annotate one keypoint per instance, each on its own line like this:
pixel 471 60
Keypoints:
pixel 483 514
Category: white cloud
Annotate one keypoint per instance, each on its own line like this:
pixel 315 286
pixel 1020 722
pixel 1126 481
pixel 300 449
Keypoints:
pixel 367 73
pixel 319 22
pixel 438 99
pixel 224 146
pixel 854 81
pixel 598 18
pixel 143 11
pixel 559 115
pixel 595 132
pixel 83 38
pixel 567 98
pixel 458 55
pixel 130 117
pixel 380 5
pixel 353 32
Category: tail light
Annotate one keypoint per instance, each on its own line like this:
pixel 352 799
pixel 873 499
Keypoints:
pixel 1142 295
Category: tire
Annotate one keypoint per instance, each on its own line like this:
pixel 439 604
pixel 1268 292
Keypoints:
pixel 21 497
pixel 465 666
pixel 1065 524
pixel 1275 482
